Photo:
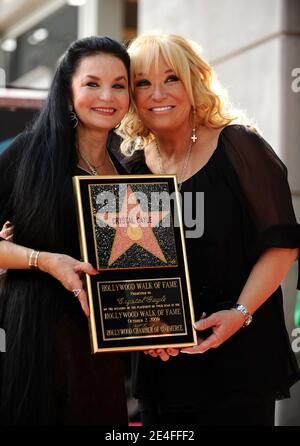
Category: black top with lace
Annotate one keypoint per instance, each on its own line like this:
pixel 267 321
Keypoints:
pixel 247 209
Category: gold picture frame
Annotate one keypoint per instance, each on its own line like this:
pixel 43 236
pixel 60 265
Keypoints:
pixel 131 231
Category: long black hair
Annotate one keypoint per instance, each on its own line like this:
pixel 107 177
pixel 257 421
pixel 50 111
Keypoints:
pixel 31 302
pixel 44 175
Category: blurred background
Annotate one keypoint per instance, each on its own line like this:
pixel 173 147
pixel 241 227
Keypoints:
pixel 253 46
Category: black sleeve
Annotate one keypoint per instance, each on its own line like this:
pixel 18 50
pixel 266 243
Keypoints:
pixel 113 146
pixel 264 184
pixel 136 163
pixel 9 162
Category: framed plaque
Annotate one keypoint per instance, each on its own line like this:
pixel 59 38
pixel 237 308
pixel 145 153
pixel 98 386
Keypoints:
pixel 131 231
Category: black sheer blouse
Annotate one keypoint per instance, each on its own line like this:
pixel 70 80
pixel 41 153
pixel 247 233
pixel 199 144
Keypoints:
pixel 247 209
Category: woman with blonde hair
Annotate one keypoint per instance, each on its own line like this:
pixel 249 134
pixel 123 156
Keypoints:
pixel 179 123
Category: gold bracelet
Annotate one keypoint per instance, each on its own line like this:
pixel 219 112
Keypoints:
pixel 33 260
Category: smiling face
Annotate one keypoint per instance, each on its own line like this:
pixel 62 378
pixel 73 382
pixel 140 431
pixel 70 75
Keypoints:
pixel 161 99
pixel 100 92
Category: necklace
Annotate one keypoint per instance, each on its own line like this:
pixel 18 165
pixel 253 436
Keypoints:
pixel 93 169
pixel 192 140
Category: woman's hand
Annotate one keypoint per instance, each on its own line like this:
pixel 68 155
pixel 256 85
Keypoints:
pixel 164 354
pixel 68 271
pixel 7 231
pixel 223 324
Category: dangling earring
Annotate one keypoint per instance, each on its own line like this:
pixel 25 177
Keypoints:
pixel 194 136
pixel 73 117
pixel 117 126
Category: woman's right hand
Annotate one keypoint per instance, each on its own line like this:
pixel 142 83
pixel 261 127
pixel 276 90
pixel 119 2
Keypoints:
pixel 7 231
pixel 165 354
pixel 68 271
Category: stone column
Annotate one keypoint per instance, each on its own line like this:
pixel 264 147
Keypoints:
pixel 101 17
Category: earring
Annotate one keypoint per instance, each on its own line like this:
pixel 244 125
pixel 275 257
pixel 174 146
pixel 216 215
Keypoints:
pixel 73 117
pixel 194 136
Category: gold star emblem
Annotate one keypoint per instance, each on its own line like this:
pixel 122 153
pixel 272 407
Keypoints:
pixel 133 225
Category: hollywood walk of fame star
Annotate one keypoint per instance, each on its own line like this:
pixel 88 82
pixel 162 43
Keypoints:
pixel 133 225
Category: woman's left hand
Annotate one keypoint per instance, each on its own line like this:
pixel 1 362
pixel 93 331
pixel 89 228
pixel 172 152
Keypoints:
pixel 223 324
pixel 163 354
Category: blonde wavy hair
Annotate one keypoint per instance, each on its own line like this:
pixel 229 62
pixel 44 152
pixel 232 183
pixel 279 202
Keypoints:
pixel 208 99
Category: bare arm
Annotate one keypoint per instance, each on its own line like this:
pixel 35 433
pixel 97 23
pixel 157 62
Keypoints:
pixel 265 277
pixel 13 256
pixel 62 267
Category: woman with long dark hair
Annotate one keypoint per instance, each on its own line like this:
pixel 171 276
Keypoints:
pixel 48 375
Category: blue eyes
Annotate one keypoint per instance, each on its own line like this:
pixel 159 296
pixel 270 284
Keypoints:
pixel 172 78
pixel 146 82
pixel 95 85
pixel 142 83
pixel 118 86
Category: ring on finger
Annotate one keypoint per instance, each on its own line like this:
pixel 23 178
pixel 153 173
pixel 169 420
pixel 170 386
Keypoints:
pixel 76 291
